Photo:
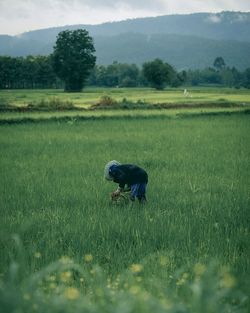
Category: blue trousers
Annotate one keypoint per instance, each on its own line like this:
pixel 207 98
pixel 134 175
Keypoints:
pixel 138 191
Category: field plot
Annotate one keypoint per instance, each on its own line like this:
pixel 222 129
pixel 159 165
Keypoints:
pixel 91 96
pixel 66 248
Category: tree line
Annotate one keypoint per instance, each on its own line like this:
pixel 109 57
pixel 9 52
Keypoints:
pixel 72 66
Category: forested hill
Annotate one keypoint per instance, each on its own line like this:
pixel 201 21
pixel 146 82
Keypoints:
pixel 186 41
pixel 181 51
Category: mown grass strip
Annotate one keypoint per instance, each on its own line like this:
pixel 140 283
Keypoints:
pixel 77 118
pixel 58 106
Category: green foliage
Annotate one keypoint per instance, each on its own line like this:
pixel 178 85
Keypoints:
pixel 246 78
pixel 37 72
pixel 226 76
pixel 29 72
pixel 73 58
pixel 158 73
pixel 116 74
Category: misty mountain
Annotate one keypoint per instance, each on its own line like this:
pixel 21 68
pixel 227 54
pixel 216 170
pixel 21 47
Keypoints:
pixel 183 52
pixel 224 25
pixel 186 41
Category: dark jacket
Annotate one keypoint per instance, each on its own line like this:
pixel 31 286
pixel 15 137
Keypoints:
pixel 128 174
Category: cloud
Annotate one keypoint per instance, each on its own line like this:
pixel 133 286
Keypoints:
pixel 216 19
pixel 28 5
pixel 17 16
pixel 133 4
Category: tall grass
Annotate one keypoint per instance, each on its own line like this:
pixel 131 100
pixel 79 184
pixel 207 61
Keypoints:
pixel 185 250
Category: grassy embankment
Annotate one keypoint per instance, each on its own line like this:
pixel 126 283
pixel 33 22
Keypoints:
pixel 131 102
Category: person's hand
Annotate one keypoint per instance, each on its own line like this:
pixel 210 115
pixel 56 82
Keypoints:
pixel 115 194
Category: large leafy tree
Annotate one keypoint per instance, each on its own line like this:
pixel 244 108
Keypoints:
pixel 73 58
pixel 158 73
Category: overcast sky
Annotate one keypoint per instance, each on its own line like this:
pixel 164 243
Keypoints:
pixel 17 16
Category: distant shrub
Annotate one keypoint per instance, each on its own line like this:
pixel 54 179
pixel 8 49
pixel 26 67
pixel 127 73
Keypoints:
pixel 108 103
pixel 139 104
pixel 105 102
pixel 52 104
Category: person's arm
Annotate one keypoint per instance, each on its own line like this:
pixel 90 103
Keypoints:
pixel 120 178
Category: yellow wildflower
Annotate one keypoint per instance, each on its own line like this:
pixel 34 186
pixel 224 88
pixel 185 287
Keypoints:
pixel 182 280
pixel 66 260
pixel 88 257
pixel 136 268
pixel 65 276
pixel 163 261
pixel 199 269
pixel 37 255
pixel 71 293
pixel 51 278
pixel 228 281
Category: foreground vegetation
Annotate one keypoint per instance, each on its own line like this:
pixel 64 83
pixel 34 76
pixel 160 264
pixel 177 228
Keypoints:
pixel 66 248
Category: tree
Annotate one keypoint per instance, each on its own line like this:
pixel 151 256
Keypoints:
pixel 219 63
pixel 246 78
pixel 179 79
pixel 45 76
pixel 73 58
pixel 210 76
pixel 113 75
pixel 158 73
pixel 227 77
pixel 128 75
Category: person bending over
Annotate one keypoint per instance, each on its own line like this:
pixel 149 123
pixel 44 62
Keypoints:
pixel 132 176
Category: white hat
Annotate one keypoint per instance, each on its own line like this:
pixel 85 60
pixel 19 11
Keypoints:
pixel 107 176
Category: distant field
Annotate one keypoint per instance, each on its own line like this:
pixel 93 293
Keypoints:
pixel 186 251
pixel 91 96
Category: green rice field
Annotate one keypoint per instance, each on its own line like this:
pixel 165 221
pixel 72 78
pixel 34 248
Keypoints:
pixel 66 247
